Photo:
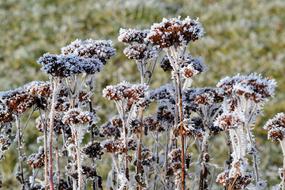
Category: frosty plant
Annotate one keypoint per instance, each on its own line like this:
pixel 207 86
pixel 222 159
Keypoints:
pixel 244 100
pixel 275 127
pixel 153 136
pixel 173 36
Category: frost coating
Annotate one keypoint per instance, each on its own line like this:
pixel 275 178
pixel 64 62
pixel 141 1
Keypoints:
pixel 68 65
pixel 97 49
pixel 132 35
pixel 175 32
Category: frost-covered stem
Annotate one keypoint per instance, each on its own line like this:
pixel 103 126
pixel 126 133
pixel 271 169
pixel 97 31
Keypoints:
pixel 254 155
pixel 181 130
pixel 282 143
pixel 92 135
pixel 229 143
pixel 20 153
pixel 51 126
pixel 126 144
pixel 139 151
pixel 204 170
pixel 166 154
pixel 78 159
pixel 174 57
pixel 45 151
pixel 57 162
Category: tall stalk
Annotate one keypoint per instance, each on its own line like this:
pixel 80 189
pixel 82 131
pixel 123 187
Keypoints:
pixel 20 153
pixel 78 157
pixel 51 126
pixel 282 143
pixel 45 150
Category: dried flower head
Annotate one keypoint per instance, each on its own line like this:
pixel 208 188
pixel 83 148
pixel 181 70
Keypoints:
pixel 118 145
pixel 228 121
pixel 202 96
pixel 238 181
pixel 175 32
pixel 93 150
pixel 110 130
pixel 68 65
pixel 153 125
pixel 276 127
pixel 175 162
pixel 165 64
pixel 166 91
pixel 125 91
pixel 140 52
pixel 36 160
pixel 98 49
pixel 132 35
pixel 252 87
pixel 78 117
pixel 192 66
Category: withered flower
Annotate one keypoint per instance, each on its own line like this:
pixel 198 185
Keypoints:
pixel 175 32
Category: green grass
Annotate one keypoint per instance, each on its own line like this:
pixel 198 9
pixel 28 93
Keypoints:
pixel 241 37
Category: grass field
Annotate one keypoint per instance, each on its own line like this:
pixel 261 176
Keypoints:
pixel 241 37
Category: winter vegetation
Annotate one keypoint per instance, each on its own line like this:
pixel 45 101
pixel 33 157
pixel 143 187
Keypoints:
pixel 142 98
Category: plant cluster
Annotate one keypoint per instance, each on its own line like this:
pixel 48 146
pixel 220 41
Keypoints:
pixel 148 148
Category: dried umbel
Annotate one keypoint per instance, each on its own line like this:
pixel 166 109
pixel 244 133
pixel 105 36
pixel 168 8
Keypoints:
pixel 78 117
pixel 98 49
pixel 165 64
pixel 132 35
pixel 165 92
pixel 202 97
pixel 118 146
pixel 140 52
pixel 67 65
pixel 175 162
pixel 252 87
pixel 16 102
pixel 36 160
pixel 175 32
pixel 110 130
pixel 93 150
pixel 59 127
pixel 228 121
pixel 192 66
pixel 237 182
pixel 125 91
pixel 153 125
pixel 276 127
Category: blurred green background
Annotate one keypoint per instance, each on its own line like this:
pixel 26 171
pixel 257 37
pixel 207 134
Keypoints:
pixel 241 37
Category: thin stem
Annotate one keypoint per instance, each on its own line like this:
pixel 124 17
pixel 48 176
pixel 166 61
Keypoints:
pixel 57 162
pixel 181 131
pixel 20 153
pixel 45 150
pixel 80 177
pixel 282 143
pixel 126 145
pixel 51 126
